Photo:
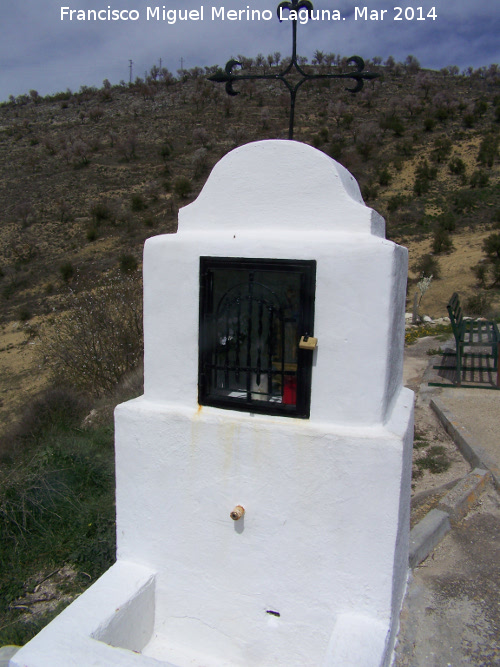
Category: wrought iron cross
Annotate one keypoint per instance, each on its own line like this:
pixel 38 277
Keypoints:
pixel 226 76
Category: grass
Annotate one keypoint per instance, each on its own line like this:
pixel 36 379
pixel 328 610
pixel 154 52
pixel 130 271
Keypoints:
pixel 412 335
pixel 434 459
pixel 56 509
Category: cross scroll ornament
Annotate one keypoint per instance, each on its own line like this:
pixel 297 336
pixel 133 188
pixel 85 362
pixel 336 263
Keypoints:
pixel 358 74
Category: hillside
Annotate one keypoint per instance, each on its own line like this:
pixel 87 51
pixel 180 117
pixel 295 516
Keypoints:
pixel 86 177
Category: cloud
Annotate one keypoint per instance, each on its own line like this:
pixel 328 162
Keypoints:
pixel 39 51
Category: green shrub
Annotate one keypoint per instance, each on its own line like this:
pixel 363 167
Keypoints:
pixel 442 114
pixel 425 171
pixel 384 177
pixel 67 271
pixel 463 201
pixel 137 203
pixel 421 186
pixel 480 107
pixel 495 270
pixel 479 179
pixel 323 133
pixel 336 147
pixel 347 120
pixel 488 150
pixel 393 123
pixel 424 174
pixel 456 166
pixel 128 263
pixel 395 202
pixel 442 149
pixel 428 265
pixel 369 191
pixel 100 211
pixel 406 149
pixel 183 187
pixel 491 246
pixel 317 141
pixel 481 272
pixel 469 120
pixel 447 221
pixel 429 124
pixel 478 305
pixel 441 241
pixel 92 234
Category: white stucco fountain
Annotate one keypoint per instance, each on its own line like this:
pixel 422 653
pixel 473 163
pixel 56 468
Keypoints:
pixel 263 479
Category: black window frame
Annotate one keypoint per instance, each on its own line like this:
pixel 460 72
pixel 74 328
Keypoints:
pixel 306 270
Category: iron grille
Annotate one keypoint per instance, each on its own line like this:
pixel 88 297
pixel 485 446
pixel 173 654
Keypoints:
pixel 252 315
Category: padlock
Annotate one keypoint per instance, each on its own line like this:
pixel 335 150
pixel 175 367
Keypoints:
pixel 308 342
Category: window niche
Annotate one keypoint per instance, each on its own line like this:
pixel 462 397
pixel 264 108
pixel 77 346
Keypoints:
pixel 253 313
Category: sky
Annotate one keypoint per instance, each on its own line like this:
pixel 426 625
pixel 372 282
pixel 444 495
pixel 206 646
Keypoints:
pixel 45 47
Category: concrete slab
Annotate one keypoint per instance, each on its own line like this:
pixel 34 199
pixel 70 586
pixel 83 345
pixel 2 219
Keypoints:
pixel 472 418
pixel 426 535
pixel 463 496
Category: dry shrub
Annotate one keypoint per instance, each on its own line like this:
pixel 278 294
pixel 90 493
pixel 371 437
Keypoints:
pixel 98 339
pixel 54 408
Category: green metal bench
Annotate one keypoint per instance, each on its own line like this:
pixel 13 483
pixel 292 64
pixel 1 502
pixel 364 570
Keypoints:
pixel 470 333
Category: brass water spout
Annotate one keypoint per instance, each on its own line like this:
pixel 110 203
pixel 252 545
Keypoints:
pixel 237 513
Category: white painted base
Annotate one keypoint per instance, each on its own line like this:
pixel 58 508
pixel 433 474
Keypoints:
pixel 357 641
pixel 328 577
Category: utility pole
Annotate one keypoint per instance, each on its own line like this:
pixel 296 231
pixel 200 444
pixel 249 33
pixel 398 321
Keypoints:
pixel 182 63
pixel 130 71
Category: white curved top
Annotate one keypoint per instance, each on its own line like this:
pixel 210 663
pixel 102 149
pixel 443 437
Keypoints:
pixel 279 184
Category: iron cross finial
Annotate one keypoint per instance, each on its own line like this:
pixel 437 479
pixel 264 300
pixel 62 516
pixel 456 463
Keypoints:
pixel 359 75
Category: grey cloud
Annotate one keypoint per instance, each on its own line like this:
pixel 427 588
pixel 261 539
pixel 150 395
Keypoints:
pixel 39 51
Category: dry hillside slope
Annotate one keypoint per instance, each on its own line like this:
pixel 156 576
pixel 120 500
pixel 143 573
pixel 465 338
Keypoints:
pixel 86 177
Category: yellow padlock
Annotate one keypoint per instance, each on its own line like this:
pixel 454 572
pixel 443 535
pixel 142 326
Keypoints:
pixel 308 343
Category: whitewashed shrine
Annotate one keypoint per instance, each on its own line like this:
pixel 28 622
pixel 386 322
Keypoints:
pixel 263 479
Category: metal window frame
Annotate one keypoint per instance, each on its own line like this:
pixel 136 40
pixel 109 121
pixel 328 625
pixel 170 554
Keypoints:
pixel 306 269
